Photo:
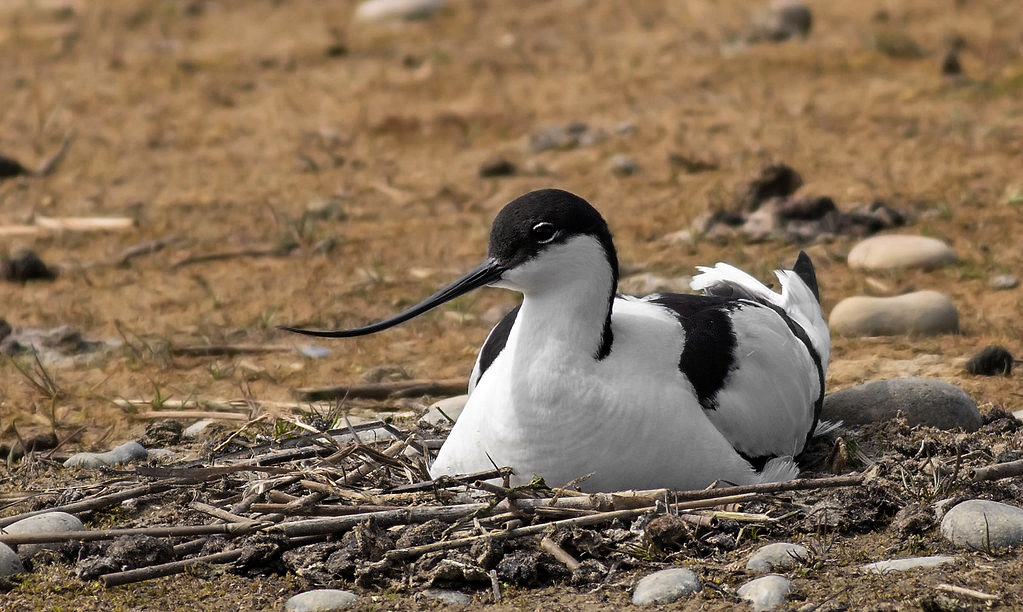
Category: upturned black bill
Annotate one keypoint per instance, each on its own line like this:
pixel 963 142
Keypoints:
pixel 483 274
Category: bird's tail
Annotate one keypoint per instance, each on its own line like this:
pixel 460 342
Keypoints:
pixel 799 297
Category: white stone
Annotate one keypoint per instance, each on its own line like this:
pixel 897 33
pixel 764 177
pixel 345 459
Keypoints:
pixel 901 565
pixel 922 401
pixel 320 600
pixel 892 251
pixel 766 593
pixel 777 556
pixel 1003 282
pixel 49 522
pixel 10 564
pixel 195 429
pixel 983 525
pixel 125 453
pixel 445 412
pixel 664 587
pixel 384 10
pixel 924 313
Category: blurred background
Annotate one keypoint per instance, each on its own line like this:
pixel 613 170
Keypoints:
pixel 186 173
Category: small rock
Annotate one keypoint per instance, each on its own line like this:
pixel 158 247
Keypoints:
pixel 57 522
pixel 1003 282
pixel 983 525
pixel 922 401
pixel 575 134
pixel 497 166
pixel 784 20
pixel 5 329
pixel 313 352
pixel 894 251
pixel 125 453
pixel 776 181
pixel 10 563
pixel 901 565
pixel 664 587
pixel 623 165
pixel 445 412
pixel 195 429
pixel 396 10
pixel 451 598
pixel 23 266
pixel 11 167
pixel 777 556
pixel 990 361
pixel 913 519
pixel 950 65
pixel 320 600
pixel 766 592
pixel 329 209
pixel 921 313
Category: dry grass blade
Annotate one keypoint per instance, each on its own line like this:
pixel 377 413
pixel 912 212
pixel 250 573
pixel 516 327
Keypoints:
pixel 38 377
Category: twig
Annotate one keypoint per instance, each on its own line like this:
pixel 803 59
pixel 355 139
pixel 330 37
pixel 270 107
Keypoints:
pixel 95 503
pixel 495 586
pixel 49 165
pixel 442 482
pixel 144 248
pixel 560 554
pixel 799 484
pixel 110 534
pixel 996 471
pixel 958 590
pixel 168 569
pixel 219 513
pixel 262 252
pixel 412 552
pixel 383 390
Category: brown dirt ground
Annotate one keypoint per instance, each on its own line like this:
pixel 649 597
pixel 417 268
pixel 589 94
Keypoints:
pixel 220 121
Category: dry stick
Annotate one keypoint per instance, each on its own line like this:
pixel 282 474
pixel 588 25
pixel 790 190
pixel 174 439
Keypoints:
pixel 387 518
pixel 366 468
pixel 452 481
pixel 799 484
pixel 560 554
pixel 219 513
pixel 400 554
pixel 330 510
pixel 996 471
pixel 144 248
pixel 216 350
pixel 264 252
pixel 384 390
pixel 96 503
pixel 110 534
pixel 168 569
pixel 958 590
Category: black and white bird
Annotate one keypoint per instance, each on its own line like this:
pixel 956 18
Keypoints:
pixel 667 390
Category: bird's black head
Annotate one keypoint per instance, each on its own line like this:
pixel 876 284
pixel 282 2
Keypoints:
pixel 539 219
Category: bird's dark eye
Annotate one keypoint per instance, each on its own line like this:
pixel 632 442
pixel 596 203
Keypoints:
pixel 544 232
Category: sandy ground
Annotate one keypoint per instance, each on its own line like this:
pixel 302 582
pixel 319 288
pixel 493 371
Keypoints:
pixel 225 123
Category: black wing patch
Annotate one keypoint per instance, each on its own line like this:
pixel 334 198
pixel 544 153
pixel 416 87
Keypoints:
pixel 496 340
pixel 709 351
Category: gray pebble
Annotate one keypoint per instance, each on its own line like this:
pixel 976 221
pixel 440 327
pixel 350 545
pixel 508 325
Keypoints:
pixel 10 564
pixel 893 251
pixel 313 352
pixel 766 592
pixel 58 522
pixel 1003 281
pixel 983 525
pixel 451 598
pixel 786 19
pixel 664 587
pixel 623 165
pixel 924 313
pixel 195 429
pixel 445 412
pixel 397 10
pixel 125 453
pixel 777 556
pixel 320 600
pixel 922 401
pixel 901 565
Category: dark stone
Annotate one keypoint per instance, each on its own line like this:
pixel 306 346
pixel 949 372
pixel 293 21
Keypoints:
pixel 24 266
pixel 5 329
pixel 127 553
pixel 161 434
pixel 922 401
pixel 10 168
pixel 497 166
pixel 950 65
pixel 776 181
pixel 990 361
pixel 914 519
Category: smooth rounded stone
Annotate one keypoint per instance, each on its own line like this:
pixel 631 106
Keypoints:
pixel 320 600
pixel 892 251
pixel 984 525
pixel 623 165
pixel 10 563
pixel 125 453
pixel 1003 282
pixel 664 587
pixel 49 522
pixel 445 412
pixel 992 360
pixel 766 592
pixel 901 565
pixel 451 598
pixel 922 401
pixel 409 10
pixel 777 556
pixel 195 429
pixel 924 313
